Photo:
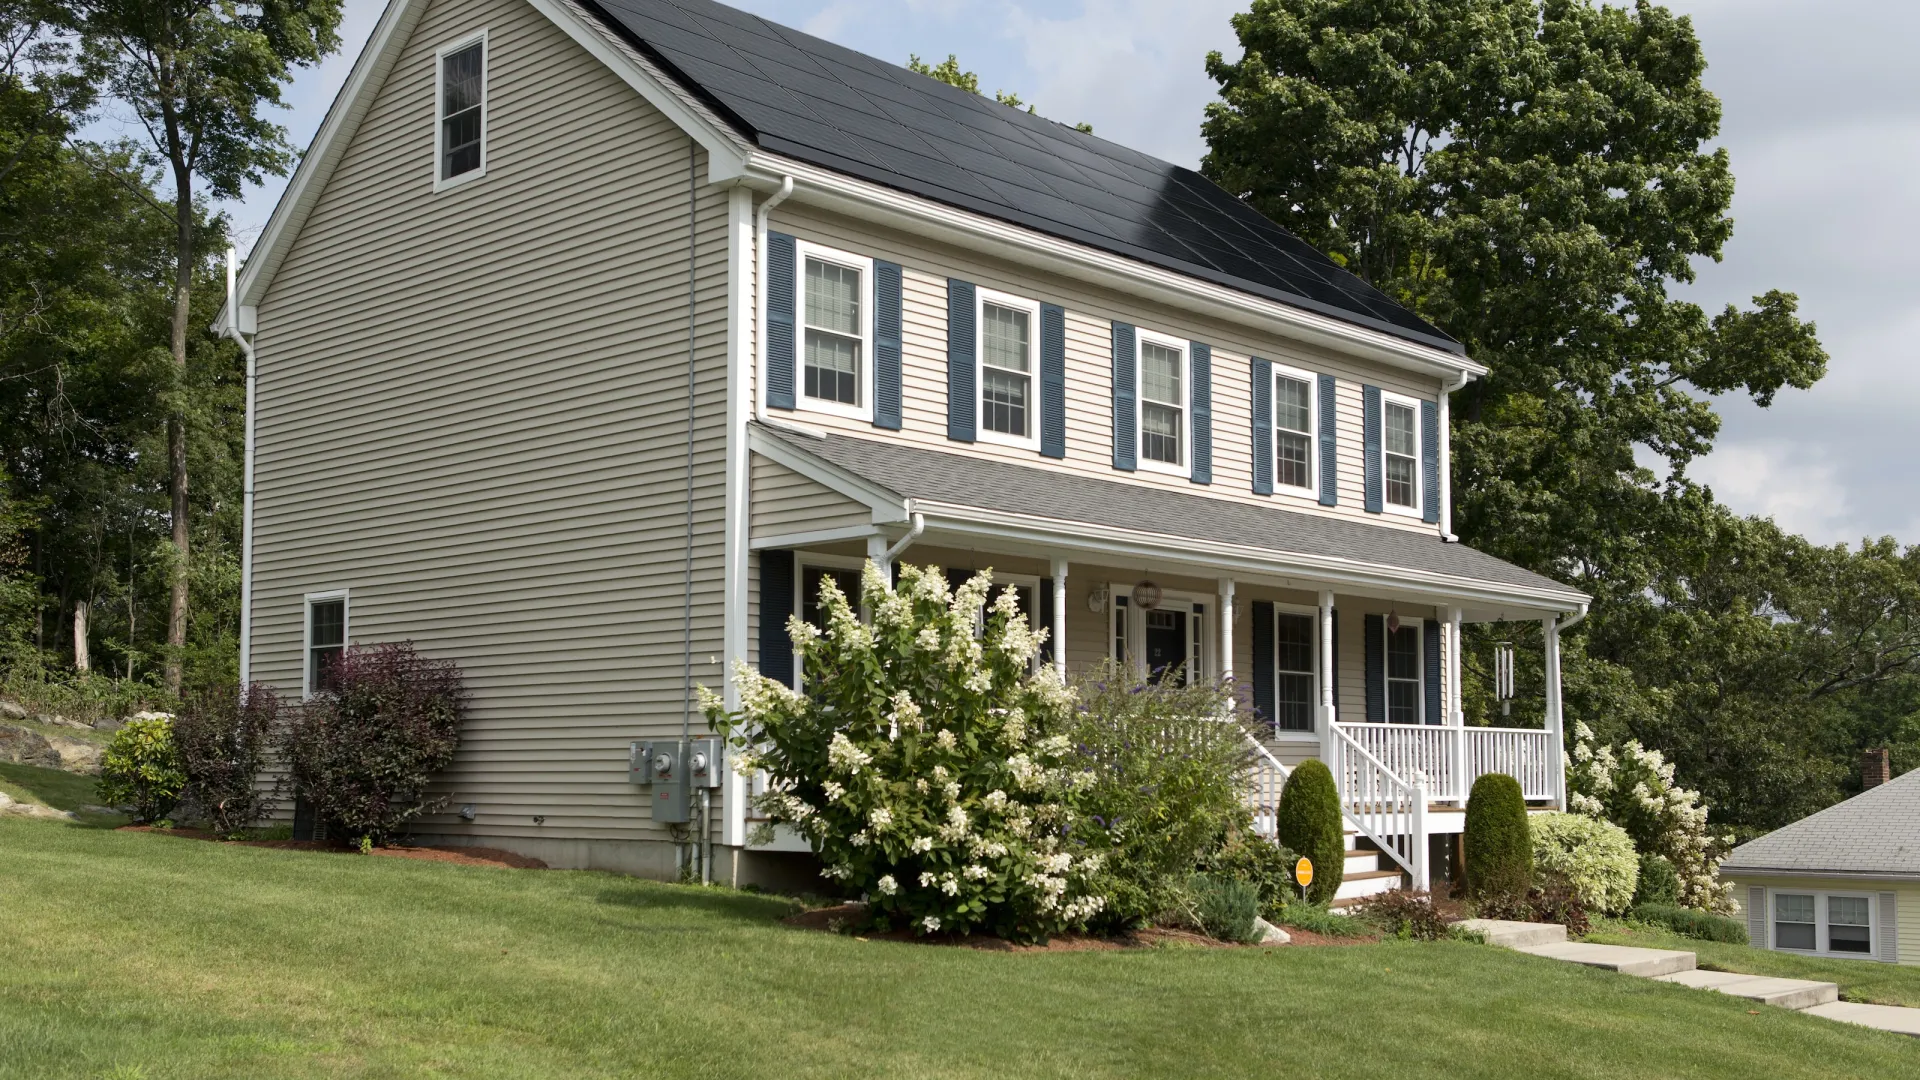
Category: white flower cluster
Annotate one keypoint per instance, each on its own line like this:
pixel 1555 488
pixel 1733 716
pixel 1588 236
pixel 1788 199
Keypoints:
pixel 887 885
pixel 846 757
pixel 879 817
pixel 834 790
pixel 1597 774
pixel 1027 776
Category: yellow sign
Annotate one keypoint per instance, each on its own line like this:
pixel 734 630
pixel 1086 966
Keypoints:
pixel 1303 872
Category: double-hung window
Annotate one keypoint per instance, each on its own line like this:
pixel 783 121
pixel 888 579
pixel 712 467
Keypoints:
pixel 326 640
pixel 1293 696
pixel 1009 328
pixel 460 136
pixel 836 310
pixel 1164 386
pixel 1839 924
pixel 1400 446
pixel 1294 419
pixel 1403 674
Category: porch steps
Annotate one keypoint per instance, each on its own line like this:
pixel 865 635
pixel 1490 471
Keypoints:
pixel 1367 871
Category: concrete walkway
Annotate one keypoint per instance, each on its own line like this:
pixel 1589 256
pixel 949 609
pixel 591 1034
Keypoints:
pixel 1549 941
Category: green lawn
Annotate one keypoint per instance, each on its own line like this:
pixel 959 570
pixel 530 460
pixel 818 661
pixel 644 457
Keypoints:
pixel 141 955
pixel 1859 980
pixel 55 788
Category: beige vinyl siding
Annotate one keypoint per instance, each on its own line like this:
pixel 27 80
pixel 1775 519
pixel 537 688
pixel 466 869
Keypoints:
pixel 784 501
pixel 473 415
pixel 1089 369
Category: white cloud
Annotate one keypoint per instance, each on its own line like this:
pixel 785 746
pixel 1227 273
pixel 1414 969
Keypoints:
pixel 1801 490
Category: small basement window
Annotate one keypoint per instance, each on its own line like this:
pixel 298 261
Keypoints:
pixel 326 640
pixel 462 112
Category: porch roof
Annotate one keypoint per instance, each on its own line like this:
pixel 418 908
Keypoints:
pixel 940 484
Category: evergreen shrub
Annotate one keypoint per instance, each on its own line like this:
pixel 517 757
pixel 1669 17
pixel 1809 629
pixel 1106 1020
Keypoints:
pixel 141 768
pixel 1499 847
pixel 1224 908
pixel 1692 922
pixel 1659 883
pixel 1310 823
pixel 1595 857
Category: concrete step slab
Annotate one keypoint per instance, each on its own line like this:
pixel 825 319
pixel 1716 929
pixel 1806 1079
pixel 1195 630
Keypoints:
pixel 1885 1017
pixel 1783 993
pixel 1624 959
pixel 1513 935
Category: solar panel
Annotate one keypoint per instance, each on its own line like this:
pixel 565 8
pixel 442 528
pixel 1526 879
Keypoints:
pixel 830 106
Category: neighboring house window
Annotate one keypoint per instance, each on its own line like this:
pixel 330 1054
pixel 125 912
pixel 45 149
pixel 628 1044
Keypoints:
pixel 1401 447
pixel 461 137
pixel 1839 924
pixel 1008 332
pixel 836 310
pixel 1293 672
pixel 326 639
pixel 1403 674
pixel 1163 403
pixel 1293 429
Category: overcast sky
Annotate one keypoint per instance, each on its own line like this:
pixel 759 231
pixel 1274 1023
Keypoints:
pixel 1822 102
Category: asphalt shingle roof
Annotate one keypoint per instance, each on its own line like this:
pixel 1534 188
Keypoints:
pixel 914 472
pixel 815 101
pixel 1875 832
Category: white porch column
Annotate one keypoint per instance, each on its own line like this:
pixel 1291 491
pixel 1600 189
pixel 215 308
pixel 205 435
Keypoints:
pixel 1555 721
pixel 1060 617
pixel 1456 712
pixel 877 554
pixel 1329 711
pixel 1226 631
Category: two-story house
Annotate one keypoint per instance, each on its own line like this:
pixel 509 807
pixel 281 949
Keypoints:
pixel 591 336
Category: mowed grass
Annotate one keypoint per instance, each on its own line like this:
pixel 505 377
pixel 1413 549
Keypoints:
pixel 56 788
pixel 141 955
pixel 1859 980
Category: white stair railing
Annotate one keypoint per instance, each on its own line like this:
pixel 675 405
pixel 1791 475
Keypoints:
pixel 1386 809
pixel 1265 783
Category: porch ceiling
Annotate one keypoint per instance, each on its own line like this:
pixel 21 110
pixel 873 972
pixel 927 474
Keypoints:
pixel 1052 511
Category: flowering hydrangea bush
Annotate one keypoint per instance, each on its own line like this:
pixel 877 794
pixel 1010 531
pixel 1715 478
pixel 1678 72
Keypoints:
pixel 926 763
pixel 1634 788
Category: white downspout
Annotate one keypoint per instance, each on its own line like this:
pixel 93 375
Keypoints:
pixel 232 330
pixel 1446 456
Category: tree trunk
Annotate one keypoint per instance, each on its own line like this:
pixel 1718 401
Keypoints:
pixel 81 662
pixel 177 423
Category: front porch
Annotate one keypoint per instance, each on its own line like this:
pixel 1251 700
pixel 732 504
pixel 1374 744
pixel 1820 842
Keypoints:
pixel 1343 655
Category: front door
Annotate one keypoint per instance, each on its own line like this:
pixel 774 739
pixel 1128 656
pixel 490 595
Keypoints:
pixel 1166 645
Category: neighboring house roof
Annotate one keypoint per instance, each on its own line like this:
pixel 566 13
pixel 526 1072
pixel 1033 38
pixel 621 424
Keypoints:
pixel 817 102
pixel 1874 834
pixel 1077 500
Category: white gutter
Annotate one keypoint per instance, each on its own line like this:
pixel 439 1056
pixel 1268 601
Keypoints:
pixel 232 319
pixel 1575 621
pixel 1446 456
pixel 919 526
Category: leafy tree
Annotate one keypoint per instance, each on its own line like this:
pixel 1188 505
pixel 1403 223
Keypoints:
pixel 197 75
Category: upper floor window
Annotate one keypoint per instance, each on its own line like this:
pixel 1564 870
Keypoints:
pixel 1401 449
pixel 461 112
pixel 326 640
pixel 1293 428
pixel 1008 331
pixel 1163 403
pixel 836 304
pixel 1403 674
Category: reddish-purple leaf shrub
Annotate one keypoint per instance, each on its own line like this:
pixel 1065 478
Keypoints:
pixel 363 753
pixel 223 737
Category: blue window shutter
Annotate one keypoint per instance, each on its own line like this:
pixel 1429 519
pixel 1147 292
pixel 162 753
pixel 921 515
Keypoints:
pixel 1053 381
pixel 963 396
pixel 1376 669
pixel 1265 702
pixel 776 606
pixel 1329 445
pixel 1262 427
pixel 1201 359
pixel 1430 638
pixel 1370 405
pixel 1043 612
pixel 1430 462
pixel 886 345
pixel 782 283
pixel 1125 438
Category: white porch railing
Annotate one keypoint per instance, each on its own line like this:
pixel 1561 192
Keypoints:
pixel 1265 782
pixel 1386 809
pixel 1530 756
pixel 1450 758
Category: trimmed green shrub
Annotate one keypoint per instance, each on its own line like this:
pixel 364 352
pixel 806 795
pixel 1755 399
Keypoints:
pixel 223 740
pixel 1261 863
pixel 1689 922
pixel 1309 822
pixel 1659 883
pixel 1594 857
pixel 1499 847
pixel 1224 909
pixel 141 768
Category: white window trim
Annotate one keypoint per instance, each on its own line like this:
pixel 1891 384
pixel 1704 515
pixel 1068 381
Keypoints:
pixel 1419 627
pixel 1820 923
pixel 1141 338
pixel 981 298
pixel 1312 734
pixel 1312 491
pixel 802 561
pixel 803 249
pixel 440 104
pixel 306 632
pixel 1136 628
pixel 1388 397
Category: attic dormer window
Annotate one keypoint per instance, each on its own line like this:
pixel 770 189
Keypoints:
pixel 461 136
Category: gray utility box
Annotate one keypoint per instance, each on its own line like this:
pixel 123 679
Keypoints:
pixel 672 768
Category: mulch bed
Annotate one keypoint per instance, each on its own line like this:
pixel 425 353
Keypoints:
pixel 831 919
pixel 460 856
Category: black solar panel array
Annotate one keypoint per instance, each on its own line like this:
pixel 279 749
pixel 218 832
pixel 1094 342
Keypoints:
pixel 818 102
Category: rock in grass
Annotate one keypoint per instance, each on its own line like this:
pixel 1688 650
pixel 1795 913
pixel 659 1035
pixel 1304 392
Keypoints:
pixel 1265 933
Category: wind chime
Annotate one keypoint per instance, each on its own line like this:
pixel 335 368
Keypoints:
pixel 1503 676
